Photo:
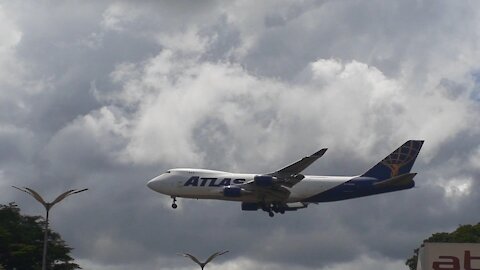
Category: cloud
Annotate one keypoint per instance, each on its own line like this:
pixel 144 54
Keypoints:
pixel 88 142
pixel 458 188
pixel 119 14
pixel 188 41
pixel 120 92
pixel 10 38
pixel 225 101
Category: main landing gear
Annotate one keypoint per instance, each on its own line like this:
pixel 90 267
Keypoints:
pixel 273 208
pixel 174 205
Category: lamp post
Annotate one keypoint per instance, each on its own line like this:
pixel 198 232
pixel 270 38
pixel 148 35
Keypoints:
pixel 202 264
pixel 48 206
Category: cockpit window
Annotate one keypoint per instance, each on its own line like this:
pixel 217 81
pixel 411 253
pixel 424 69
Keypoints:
pixel 167 172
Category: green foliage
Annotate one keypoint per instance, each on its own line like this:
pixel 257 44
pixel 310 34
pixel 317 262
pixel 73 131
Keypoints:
pixel 21 243
pixel 463 234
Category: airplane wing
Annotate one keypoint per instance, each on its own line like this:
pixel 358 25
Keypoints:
pixel 272 186
pixel 290 175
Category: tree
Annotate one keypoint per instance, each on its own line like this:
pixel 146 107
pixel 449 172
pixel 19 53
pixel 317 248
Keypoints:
pixel 463 234
pixel 21 243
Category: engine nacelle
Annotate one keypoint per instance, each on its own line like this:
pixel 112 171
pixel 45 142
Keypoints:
pixel 263 180
pixel 250 206
pixel 295 206
pixel 230 191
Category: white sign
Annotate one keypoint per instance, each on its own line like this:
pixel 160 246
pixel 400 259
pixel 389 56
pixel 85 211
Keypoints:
pixel 449 256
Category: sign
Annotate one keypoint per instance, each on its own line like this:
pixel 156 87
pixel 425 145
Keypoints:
pixel 449 256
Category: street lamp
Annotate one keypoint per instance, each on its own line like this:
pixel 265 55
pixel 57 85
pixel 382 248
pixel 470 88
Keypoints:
pixel 202 265
pixel 48 206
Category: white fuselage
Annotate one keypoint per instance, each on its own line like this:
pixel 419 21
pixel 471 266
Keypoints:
pixel 209 184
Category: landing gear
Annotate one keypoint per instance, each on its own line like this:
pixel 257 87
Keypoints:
pixel 273 208
pixel 174 205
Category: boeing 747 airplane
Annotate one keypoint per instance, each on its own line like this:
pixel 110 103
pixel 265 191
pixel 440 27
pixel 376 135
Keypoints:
pixel 288 189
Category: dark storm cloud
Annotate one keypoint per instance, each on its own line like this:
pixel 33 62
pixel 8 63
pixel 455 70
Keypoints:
pixel 106 95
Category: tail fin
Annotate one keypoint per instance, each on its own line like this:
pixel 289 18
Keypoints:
pixel 397 163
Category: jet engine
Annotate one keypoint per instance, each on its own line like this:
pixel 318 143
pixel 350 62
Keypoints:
pixel 230 191
pixel 263 180
pixel 250 206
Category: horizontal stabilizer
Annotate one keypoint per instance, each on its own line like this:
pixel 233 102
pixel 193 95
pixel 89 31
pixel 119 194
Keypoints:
pixel 397 181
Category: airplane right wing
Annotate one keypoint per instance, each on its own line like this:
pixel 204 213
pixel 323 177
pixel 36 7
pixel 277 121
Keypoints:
pixel 272 186
pixel 291 174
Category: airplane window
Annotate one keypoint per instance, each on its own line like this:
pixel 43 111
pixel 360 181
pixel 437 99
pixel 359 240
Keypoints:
pixel 168 172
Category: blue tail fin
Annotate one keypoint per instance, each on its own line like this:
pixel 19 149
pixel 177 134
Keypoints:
pixel 397 163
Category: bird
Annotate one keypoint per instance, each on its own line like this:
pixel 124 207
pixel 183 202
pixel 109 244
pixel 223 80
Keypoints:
pixel 202 265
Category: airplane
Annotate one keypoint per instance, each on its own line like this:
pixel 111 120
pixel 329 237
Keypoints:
pixel 288 189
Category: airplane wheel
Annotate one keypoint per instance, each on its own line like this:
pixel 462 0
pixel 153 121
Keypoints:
pixel 174 205
pixel 271 214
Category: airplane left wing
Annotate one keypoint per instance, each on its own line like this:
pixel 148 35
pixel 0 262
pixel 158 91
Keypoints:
pixel 291 174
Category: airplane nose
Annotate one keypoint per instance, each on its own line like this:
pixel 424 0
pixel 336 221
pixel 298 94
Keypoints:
pixel 155 184
pixel 158 184
pixel 151 183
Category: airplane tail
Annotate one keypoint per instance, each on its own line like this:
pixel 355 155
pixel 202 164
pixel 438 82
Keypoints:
pixel 399 162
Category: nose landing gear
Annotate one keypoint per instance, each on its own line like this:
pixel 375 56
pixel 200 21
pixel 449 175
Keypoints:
pixel 174 205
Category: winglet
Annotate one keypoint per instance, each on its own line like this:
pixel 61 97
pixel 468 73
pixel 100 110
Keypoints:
pixel 320 153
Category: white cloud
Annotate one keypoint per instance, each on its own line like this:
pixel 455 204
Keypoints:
pixel 89 141
pixel 9 39
pixel 188 41
pixel 458 187
pixel 342 105
pixel 119 14
pixel 474 161
pixel 11 35
pixel 326 69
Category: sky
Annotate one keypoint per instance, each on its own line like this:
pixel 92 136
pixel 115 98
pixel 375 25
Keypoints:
pixel 106 95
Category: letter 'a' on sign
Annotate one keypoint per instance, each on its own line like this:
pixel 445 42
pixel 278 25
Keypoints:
pixel 447 263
